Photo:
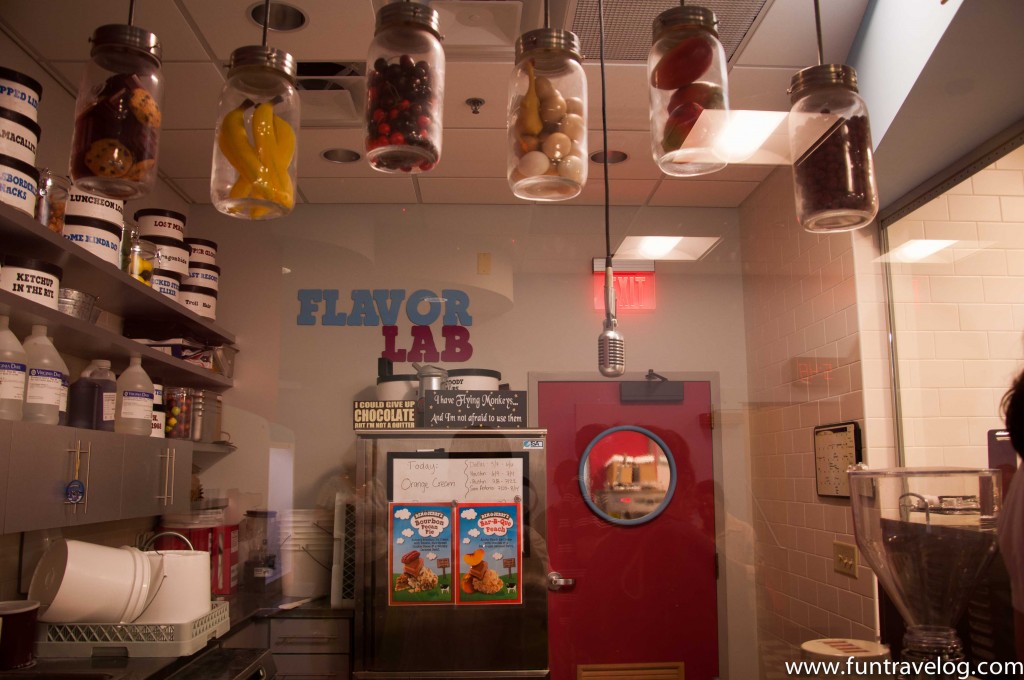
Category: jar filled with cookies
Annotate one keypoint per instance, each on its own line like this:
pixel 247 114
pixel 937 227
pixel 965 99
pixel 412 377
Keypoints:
pixel 547 117
pixel 118 114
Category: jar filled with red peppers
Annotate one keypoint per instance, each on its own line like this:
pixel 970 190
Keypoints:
pixel 688 83
pixel 830 141
pixel 118 114
pixel 405 89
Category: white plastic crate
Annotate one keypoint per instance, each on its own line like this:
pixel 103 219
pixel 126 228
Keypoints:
pixel 143 639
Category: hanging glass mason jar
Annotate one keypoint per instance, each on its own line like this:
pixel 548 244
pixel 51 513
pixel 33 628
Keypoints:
pixel 830 142
pixel 118 114
pixel 686 71
pixel 404 89
pixel 547 117
pixel 254 154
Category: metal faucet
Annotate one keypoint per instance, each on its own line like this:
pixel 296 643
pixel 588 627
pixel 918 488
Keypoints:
pixel 152 539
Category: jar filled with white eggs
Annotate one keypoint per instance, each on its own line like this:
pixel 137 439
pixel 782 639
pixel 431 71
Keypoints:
pixel 547 117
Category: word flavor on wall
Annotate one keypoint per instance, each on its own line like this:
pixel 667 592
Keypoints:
pixel 467 553
pixel 460 409
pixel 383 415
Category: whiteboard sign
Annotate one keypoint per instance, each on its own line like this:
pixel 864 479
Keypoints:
pixel 421 479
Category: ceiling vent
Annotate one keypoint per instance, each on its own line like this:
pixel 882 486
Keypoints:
pixel 333 94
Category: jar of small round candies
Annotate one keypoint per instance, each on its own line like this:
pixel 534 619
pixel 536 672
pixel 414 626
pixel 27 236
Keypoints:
pixel 830 141
pixel 178 412
pixel 404 89
pixel 117 114
pixel 547 117
pixel 689 91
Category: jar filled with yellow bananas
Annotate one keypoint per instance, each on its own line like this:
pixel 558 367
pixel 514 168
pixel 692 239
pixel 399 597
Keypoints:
pixel 254 159
pixel 547 117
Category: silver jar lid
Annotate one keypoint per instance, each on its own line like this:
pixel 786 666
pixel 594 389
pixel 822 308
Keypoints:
pixel 821 76
pixel 418 14
pixel 259 55
pixel 685 15
pixel 124 36
pixel 549 39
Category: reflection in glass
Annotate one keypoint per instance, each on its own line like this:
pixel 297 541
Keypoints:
pixel 627 475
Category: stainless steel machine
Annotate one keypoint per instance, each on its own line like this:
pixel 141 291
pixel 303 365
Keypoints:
pixel 450 555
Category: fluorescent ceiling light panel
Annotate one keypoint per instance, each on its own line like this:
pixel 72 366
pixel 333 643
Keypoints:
pixel 917 250
pixel 654 247
pixel 684 248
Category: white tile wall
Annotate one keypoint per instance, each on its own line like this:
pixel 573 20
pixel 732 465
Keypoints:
pixel 958 331
pixel 817 302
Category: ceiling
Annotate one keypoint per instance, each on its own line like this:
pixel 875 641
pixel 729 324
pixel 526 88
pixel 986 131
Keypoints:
pixel 766 42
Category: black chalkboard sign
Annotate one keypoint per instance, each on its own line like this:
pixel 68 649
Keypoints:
pixel 462 409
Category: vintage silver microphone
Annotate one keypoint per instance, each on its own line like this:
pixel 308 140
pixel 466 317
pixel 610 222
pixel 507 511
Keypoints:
pixel 611 346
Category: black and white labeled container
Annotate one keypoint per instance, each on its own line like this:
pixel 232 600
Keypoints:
pixel 160 222
pixel 20 93
pixel 19 182
pixel 171 253
pixel 202 250
pixel 166 282
pixel 203 274
pixel 99 237
pixel 201 300
pixel 472 379
pixel 19 136
pixel 81 202
pixel 32 279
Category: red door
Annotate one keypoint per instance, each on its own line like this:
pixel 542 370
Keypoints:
pixel 643 593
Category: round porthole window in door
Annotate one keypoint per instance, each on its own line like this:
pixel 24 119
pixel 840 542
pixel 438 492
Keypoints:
pixel 627 475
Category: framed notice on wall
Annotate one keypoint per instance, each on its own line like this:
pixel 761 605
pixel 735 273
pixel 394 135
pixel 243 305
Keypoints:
pixel 836 447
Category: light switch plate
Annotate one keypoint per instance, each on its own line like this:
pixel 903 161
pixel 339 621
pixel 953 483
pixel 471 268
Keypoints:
pixel 844 557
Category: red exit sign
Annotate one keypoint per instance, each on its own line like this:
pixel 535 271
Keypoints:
pixel 633 290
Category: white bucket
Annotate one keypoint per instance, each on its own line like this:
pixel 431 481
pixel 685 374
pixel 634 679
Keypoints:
pixel 181 586
pixel 99 237
pixel 166 282
pixel 19 92
pixel 202 250
pixel 172 254
pixel 19 136
pixel 201 300
pixel 160 222
pixel 19 182
pixel 306 572
pixel 79 582
pixel 97 207
pixel 203 274
pixel 32 279
pixel 397 387
pixel 472 379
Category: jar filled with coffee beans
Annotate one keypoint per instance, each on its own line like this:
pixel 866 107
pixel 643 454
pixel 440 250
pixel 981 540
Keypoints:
pixel 830 141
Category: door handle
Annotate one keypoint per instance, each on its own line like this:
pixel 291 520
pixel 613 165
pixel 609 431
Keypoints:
pixel 556 582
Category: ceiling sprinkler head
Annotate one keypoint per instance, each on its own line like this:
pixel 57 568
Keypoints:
pixel 475 103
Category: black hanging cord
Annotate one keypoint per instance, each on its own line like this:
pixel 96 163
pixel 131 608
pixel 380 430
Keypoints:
pixel 817 28
pixel 604 138
pixel 131 13
pixel 547 14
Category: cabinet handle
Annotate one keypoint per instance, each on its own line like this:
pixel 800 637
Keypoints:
pixel 168 496
pixel 171 465
pixel 312 639
pixel 88 469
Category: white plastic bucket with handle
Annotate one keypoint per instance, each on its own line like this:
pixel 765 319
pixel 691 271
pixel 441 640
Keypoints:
pixel 80 582
pixel 181 586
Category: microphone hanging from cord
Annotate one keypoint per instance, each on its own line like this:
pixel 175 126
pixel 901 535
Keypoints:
pixel 611 346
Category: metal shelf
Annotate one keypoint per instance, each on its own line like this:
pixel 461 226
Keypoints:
pixel 145 312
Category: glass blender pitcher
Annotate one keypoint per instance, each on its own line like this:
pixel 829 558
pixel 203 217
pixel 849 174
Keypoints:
pixel 928 534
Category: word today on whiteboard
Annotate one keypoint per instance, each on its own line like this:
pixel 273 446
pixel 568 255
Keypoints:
pixel 421 480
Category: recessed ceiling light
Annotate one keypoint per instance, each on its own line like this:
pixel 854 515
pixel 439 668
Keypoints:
pixel 340 155
pixel 613 157
pixel 679 248
pixel 282 17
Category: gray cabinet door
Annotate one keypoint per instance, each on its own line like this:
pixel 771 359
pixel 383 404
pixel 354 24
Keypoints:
pixel 45 459
pixel 157 476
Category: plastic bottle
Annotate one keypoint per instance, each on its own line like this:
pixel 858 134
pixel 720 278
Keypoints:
pixel 99 371
pixel 46 375
pixel 134 405
pixel 12 373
